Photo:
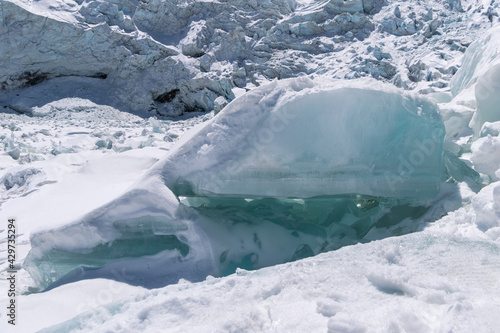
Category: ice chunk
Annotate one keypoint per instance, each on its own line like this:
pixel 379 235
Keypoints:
pixel 289 170
pixel 458 170
pixel 140 233
pixel 302 138
pixel 487 93
pixel 486 155
pixel 486 205
pixel 480 71
pixel 20 180
pixel 492 129
pixel 480 56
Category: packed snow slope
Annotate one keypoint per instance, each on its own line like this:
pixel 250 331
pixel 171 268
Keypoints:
pixel 423 282
pixel 109 199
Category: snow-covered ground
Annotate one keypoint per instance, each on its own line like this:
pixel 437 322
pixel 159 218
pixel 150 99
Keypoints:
pixel 137 193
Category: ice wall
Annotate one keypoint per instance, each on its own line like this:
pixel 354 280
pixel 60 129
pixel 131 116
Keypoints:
pixel 164 57
pixel 171 57
pixel 480 71
pixel 300 138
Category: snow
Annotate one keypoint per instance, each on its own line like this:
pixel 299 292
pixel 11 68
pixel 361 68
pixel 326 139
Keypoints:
pixel 487 208
pixel 420 282
pixel 49 309
pixel 486 155
pixel 90 164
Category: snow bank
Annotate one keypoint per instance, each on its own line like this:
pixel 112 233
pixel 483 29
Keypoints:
pixel 486 155
pixel 486 205
pixel 422 282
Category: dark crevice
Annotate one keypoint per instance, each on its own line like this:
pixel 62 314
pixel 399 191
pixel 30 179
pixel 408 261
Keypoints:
pixel 198 55
pixel 99 75
pixel 167 96
pixel 29 79
pixel 32 78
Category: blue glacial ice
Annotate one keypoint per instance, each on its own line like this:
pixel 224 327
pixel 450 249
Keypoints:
pixel 300 139
pixel 289 170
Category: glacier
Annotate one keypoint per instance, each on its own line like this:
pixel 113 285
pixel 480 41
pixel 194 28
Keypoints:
pixel 93 93
pixel 196 57
pixel 248 189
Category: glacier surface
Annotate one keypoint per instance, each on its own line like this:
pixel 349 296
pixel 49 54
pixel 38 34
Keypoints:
pixel 172 57
pixel 73 71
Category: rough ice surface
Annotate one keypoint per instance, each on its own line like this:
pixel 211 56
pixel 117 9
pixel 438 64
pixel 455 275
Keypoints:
pixel 481 71
pixel 289 170
pixel 300 138
pixel 199 51
pixel 486 155
pixel 487 207
pixel 476 87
